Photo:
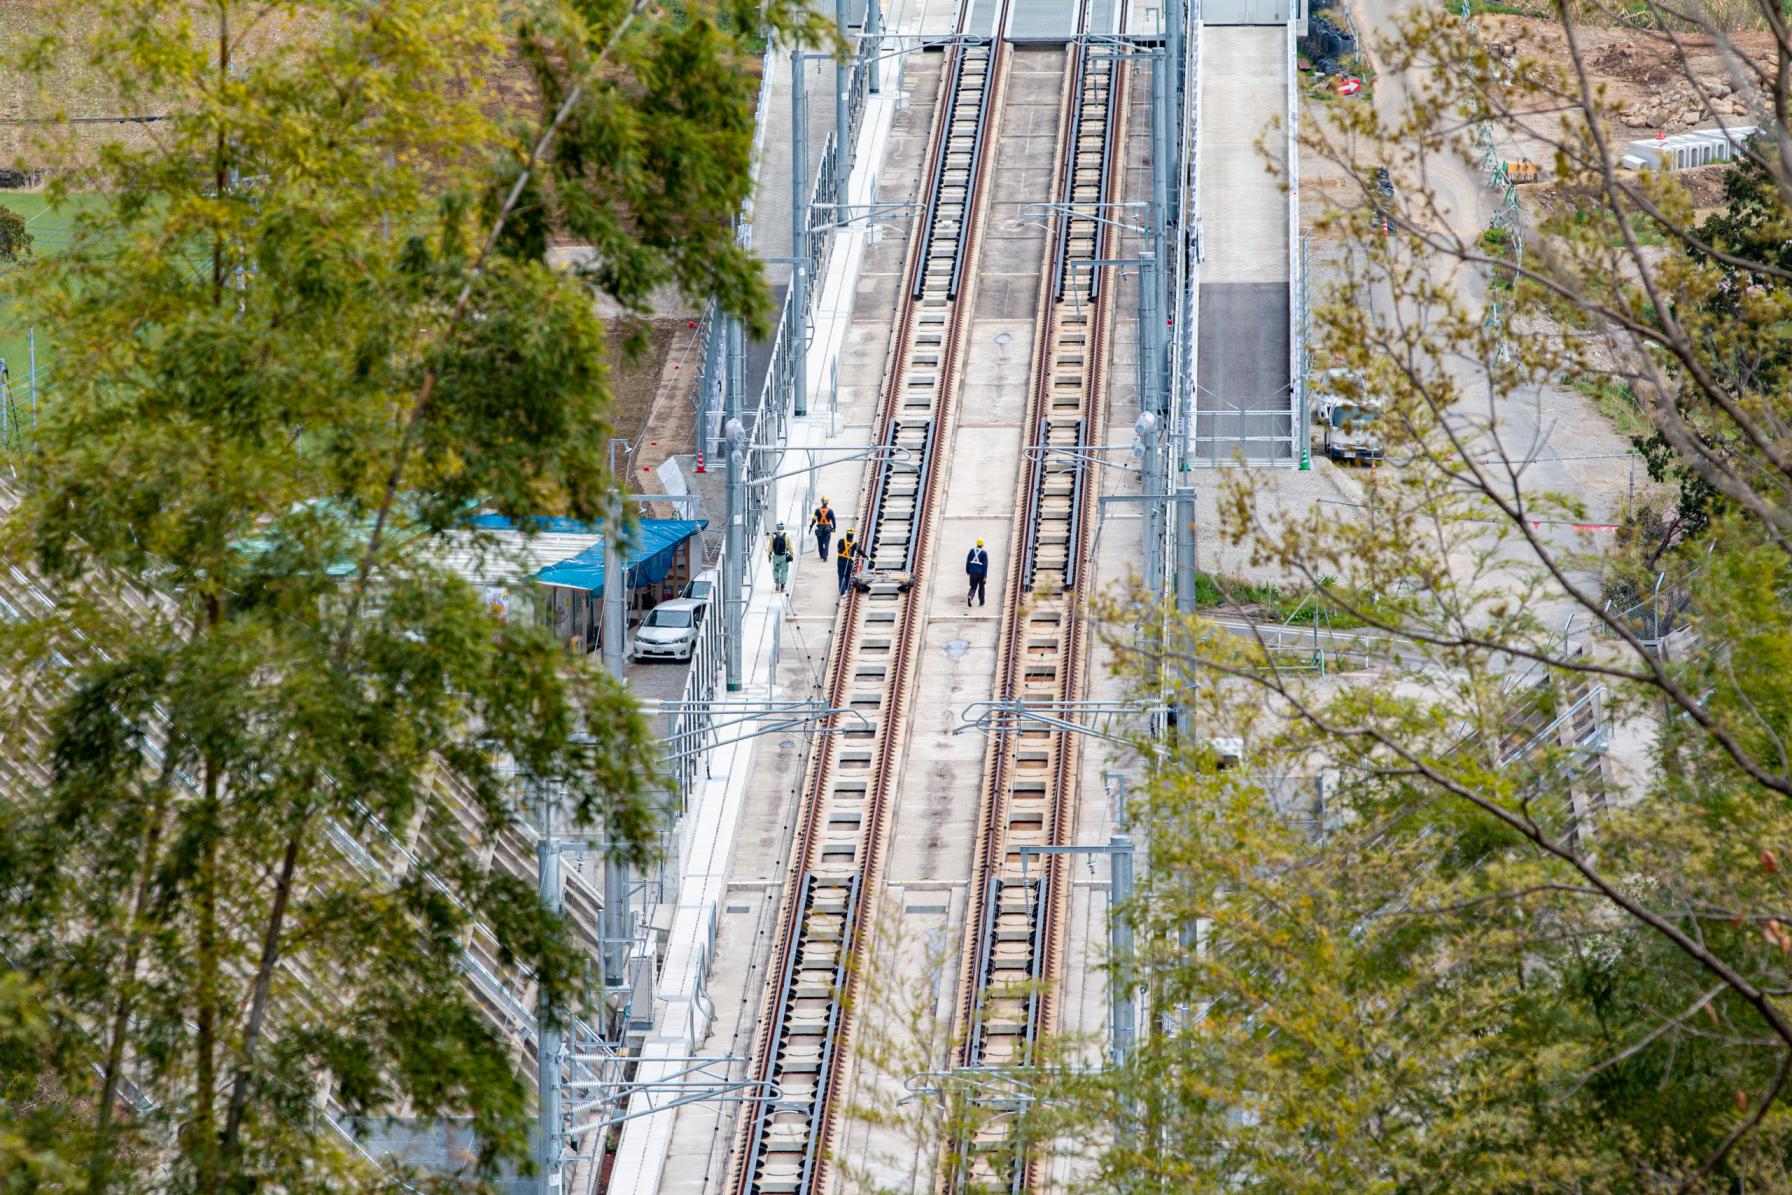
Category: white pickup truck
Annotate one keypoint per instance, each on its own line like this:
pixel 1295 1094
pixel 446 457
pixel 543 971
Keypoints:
pixel 1348 416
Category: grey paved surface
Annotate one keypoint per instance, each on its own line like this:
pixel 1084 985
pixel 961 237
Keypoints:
pixel 1242 370
pixel 1243 367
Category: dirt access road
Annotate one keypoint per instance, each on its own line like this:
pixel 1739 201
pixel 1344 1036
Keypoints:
pixel 1568 447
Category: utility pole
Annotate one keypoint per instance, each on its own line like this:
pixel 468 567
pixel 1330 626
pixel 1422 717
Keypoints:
pixel 842 111
pixel 1184 513
pixel 736 437
pixel 714 336
pixel 1152 482
pixel 799 239
pixel 874 28
pixel 615 583
pixel 734 555
pixel 1161 156
pixel 549 1046
pixel 1123 1014
pixel 616 936
pixel 615 915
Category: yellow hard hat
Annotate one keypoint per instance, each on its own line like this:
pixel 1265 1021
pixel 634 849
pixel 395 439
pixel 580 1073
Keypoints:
pixel 979 541
pixel 824 501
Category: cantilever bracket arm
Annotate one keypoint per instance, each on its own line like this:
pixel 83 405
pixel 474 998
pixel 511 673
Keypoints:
pixel 1111 848
pixel 732 1091
pixel 901 45
pixel 770 718
pixel 1000 1087
pixel 985 716
pixel 1084 453
pixel 857 212
pixel 1124 45
pixel 1037 215
pixel 798 725
pixel 875 452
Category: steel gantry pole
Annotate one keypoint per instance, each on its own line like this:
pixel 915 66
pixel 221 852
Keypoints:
pixel 1184 514
pixel 1122 983
pixel 616 936
pixel 734 556
pixel 874 28
pixel 1151 387
pixel 1123 1011
pixel 615 583
pixel 842 117
pixel 714 337
pixel 1161 164
pixel 1172 111
pixel 614 946
pixel 1185 550
pixel 549 1046
pixel 1150 453
pixel 797 328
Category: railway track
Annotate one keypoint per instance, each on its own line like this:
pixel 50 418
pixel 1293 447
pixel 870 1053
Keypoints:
pixel 1014 919
pixel 800 1047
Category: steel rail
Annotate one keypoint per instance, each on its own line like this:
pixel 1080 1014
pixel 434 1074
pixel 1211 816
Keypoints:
pixel 1010 962
pixel 973 65
pixel 803 1039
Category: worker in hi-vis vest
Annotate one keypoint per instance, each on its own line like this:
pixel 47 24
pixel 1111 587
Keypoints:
pixel 822 523
pixel 976 567
pixel 845 557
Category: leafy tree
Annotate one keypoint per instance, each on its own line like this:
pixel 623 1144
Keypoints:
pixel 261 740
pixel 1480 962
pixel 15 242
pixel 34 1137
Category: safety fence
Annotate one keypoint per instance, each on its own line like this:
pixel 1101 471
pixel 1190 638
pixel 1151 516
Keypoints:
pixel 1505 230
pixel 1664 606
pixel 1297 281
pixel 19 393
pixel 1187 324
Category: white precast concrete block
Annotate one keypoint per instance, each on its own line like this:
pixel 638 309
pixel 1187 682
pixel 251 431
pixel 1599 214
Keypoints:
pixel 1684 151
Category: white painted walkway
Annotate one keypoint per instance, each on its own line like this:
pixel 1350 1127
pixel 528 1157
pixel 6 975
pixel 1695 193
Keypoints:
pixel 1244 212
pixel 1242 378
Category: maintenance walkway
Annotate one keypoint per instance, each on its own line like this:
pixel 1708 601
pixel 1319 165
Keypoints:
pixel 1242 400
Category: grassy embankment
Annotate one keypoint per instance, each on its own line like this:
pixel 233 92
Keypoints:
pixel 49 229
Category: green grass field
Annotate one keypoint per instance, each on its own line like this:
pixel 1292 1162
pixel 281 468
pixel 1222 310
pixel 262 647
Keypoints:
pixel 48 227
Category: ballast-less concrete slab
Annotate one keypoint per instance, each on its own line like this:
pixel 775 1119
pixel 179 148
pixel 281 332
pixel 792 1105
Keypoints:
pixel 934 824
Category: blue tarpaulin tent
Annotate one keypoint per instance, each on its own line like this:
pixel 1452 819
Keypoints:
pixel 539 523
pixel 649 557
